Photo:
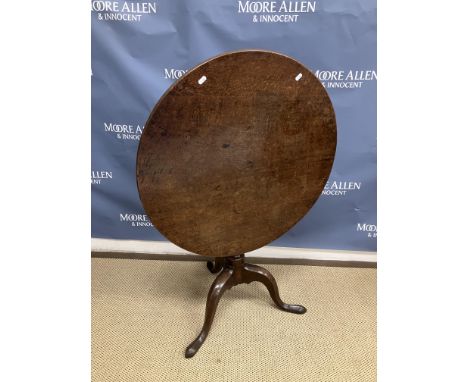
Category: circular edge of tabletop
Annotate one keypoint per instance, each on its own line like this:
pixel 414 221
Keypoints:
pixel 186 74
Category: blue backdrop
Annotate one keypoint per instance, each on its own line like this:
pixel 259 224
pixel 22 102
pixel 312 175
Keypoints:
pixel 139 48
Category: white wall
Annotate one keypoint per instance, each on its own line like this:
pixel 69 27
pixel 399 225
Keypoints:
pixel 164 247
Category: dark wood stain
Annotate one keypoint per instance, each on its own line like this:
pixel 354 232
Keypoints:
pixel 234 271
pixel 229 165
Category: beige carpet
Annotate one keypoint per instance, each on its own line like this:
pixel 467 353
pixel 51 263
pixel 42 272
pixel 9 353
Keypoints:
pixel 145 312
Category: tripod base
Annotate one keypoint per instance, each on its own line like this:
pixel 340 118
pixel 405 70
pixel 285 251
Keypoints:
pixel 235 271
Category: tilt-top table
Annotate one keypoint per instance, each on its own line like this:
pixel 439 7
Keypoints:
pixel 232 156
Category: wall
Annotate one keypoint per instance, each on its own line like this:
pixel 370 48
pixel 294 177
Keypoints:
pixel 140 48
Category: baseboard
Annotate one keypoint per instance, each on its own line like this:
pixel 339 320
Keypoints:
pixel 155 249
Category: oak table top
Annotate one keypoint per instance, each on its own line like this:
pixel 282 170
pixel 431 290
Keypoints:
pixel 236 152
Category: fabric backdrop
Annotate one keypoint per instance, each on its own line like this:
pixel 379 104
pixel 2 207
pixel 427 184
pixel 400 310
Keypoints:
pixel 140 48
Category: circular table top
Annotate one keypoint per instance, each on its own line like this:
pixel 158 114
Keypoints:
pixel 236 152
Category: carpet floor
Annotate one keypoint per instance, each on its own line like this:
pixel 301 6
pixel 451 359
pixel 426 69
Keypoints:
pixel 145 313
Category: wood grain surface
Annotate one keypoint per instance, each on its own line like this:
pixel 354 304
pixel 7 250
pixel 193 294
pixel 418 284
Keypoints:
pixel 236 152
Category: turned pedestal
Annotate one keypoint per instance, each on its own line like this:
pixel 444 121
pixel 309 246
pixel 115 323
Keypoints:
pixel 234 270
